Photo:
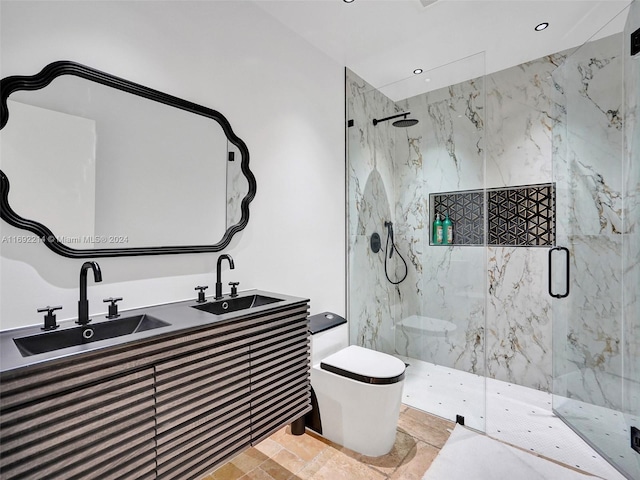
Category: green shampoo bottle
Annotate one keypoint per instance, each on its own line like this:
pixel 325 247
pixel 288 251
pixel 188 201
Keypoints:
pixel 447 226
pixel 438 233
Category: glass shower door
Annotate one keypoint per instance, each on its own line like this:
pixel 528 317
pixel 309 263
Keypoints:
pixel 440 167
pixel 595 322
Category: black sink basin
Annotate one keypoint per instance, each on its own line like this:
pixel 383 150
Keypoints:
pixel 93 332
pixel 234 304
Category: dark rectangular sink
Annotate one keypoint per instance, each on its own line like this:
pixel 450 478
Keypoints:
pixel 92 332
pixel 234 304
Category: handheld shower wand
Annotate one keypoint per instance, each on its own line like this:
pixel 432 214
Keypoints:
pixel 390 249
pixel 389 226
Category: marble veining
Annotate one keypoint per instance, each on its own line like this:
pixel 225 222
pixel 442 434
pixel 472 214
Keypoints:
pixel 518 337
pixel 519 120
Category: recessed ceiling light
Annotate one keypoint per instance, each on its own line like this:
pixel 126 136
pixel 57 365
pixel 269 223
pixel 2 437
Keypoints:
pixel 541 26
pixel 348 1
pixel 417 71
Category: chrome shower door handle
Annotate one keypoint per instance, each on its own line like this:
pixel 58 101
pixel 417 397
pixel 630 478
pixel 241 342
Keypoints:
pixel 567 276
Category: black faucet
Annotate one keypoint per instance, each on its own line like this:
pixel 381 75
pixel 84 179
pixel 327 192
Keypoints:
pixel 219 274
pixel 83 304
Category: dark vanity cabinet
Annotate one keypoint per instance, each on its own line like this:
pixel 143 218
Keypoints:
pixel 280 375
pixel 75 428
pixel 202 407
pixel 171 407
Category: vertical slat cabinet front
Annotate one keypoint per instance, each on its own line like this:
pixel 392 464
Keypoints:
pixel 202 408
pixel 280 373
pixel 102 430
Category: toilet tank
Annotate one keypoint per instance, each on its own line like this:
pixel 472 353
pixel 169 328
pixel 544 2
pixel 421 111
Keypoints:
pixel 329 334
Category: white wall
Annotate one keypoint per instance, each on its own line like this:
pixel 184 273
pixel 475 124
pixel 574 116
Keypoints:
pixel 283 98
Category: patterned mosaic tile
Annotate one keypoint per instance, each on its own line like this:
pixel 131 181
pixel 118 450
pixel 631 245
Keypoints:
pixel 522 216
pixel 517 216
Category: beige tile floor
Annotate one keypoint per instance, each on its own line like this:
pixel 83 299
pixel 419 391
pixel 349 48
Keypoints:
pixel 287 457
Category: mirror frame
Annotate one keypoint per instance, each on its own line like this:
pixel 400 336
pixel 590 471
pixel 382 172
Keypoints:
pixel 40 80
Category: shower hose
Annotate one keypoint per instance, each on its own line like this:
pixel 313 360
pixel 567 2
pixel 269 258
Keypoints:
pixel 393 248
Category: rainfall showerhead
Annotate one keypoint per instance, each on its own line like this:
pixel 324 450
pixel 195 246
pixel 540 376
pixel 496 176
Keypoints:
pixel 403 123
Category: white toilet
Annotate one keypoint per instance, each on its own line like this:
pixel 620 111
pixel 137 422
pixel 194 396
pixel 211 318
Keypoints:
pixel 358 391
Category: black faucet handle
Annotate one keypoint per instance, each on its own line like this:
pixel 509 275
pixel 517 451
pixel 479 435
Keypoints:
pixel 113 308
pixel 201 290
pixel 50 317
pixel 234 288
pixel 112 300
pixel 49 309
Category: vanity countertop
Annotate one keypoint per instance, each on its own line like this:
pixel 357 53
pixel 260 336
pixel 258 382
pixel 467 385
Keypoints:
pixel 181 317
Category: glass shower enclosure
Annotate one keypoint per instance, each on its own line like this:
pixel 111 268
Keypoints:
pixel 594 276
pixel 538 165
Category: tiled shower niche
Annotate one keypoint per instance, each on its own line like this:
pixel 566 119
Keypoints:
pixel 521 216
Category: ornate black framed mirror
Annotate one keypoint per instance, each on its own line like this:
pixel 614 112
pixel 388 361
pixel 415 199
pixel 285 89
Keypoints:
pixel 99 166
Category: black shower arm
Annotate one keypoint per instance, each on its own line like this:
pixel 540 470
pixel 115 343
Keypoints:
pixel 377 121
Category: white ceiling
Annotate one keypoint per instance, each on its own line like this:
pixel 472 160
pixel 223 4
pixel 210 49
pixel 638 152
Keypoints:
pixel 383 41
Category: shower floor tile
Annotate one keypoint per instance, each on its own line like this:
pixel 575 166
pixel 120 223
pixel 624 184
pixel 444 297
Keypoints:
pixel 445 392
pixel 513 414
pixel 609 429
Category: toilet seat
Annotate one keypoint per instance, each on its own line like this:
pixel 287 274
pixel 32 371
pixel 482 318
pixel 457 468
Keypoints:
pixel 365 365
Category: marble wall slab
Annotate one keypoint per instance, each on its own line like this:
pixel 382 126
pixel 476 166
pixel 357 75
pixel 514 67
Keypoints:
pixel 519 123
pixel 519 328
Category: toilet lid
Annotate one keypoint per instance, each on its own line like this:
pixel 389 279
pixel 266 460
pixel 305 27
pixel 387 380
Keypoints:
pixel 365 365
